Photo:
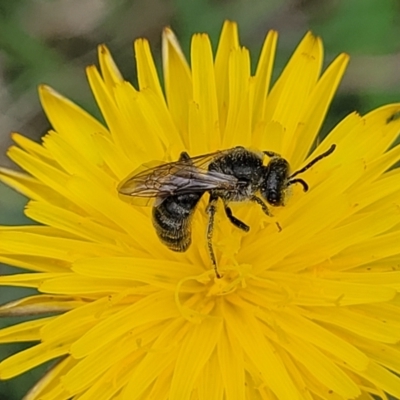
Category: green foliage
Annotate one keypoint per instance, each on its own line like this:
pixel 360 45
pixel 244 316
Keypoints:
pixel 360 26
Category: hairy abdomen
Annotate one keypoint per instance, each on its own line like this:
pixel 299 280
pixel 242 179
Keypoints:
pixel 172 220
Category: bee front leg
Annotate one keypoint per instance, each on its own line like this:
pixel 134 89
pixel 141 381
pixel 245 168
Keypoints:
pixel 262 204
pixel 265 209
pixel 211 210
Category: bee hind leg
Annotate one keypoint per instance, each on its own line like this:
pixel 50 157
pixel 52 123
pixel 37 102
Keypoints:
pixel 211 210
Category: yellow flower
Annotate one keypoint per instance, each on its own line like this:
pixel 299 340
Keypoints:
pixel 307 311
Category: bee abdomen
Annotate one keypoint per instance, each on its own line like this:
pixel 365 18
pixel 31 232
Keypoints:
pixel 175 232
pixel 172 220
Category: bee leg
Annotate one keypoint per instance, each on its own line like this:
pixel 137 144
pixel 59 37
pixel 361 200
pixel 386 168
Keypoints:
pixel 237 222
pixel 262 204
pixel 184 156
pixel 265 209
pixel 271 154
pixel 211 210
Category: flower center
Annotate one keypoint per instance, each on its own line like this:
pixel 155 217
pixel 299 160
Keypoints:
pixel 230 281
pixel 205 289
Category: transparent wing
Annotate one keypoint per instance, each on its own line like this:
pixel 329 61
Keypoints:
pixel 179 177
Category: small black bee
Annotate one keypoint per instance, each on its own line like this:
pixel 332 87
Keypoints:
pixel 233 175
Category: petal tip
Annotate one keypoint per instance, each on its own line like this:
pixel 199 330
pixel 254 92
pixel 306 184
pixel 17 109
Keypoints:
pixel 42 88
pixel 91 69
pixel 230 24
pixel 103 49
pixel 141 43
pixel 169 37
pixel 46 91
pixel 167 31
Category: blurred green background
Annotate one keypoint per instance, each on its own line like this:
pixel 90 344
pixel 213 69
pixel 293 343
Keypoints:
pixel 51 41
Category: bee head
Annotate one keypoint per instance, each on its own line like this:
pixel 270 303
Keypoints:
pixel 275 181
pixel 276 178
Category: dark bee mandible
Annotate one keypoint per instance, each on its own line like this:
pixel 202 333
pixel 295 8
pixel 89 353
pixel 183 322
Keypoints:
pixel 233 175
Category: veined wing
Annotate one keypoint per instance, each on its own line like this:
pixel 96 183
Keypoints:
pixel 179 177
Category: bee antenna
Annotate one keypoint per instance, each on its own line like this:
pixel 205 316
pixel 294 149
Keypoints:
pixel 302 183
pixel 309 165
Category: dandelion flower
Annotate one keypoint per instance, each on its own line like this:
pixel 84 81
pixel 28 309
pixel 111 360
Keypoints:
pixel 307 311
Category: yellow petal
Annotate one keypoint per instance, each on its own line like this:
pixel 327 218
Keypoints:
pixel 25 280
pixel 73 284
pixel 75 123
pixel 228 42
pixel 230 357
pixel 30 358
pixel 157 307
pixel 316 107
pixel 35 263
pixel 163 274
pixel 178 82
pixel 286 102
pixel 47 246
pixel 76 224
pixel 28 331
pixel 159 119
pixel 238 122
pixel 109 70
pixel 320 337
pixel 384 379
pixel 142 141
pixel 204 133
pixel 73 163
pixel 120 130
pixel 77 320
pixel 324 369
pixel 33 148
pixel 365 326
pixel 194 351
pixel 209 384
pixel 156 361
pixel 92 368
pixel 263 76
pixel 50 387
pixel 147 73
pixel 260 352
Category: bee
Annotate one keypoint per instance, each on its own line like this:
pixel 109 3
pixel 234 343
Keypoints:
pixel 233 175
